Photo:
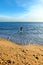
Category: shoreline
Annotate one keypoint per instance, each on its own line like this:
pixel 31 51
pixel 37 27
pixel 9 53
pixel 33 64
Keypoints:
pixel 21 44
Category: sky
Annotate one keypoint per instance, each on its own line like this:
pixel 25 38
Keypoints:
pixel 21 10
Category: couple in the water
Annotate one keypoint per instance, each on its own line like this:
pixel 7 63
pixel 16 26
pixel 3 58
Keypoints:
pixel 21 29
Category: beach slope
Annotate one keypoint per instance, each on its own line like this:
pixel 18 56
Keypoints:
pixel 13 54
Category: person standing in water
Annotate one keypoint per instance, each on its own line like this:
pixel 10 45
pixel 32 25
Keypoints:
pixel 21 29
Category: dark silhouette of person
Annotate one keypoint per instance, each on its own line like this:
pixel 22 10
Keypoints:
pixel 21 28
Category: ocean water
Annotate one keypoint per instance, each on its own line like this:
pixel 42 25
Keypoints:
pixel 32 32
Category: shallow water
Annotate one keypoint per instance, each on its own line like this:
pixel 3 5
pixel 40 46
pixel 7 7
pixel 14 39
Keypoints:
pixel 32 32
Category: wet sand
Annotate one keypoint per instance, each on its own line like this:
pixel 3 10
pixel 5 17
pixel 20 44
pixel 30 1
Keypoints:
pixel 13 54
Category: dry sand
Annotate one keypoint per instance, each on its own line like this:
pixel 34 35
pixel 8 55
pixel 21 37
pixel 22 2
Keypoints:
pixel 13 54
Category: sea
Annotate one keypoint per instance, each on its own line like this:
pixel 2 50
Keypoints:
pixel 32 32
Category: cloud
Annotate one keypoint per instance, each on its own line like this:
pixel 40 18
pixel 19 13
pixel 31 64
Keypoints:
pixel 34 11
pixel 35 14
pixel 22 3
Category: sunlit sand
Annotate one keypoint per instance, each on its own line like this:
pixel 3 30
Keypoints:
pixel 13 54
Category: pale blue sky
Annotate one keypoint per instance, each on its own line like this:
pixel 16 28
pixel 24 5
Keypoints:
pixel 21 10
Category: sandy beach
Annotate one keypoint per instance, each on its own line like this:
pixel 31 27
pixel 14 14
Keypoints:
pixel 13 54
